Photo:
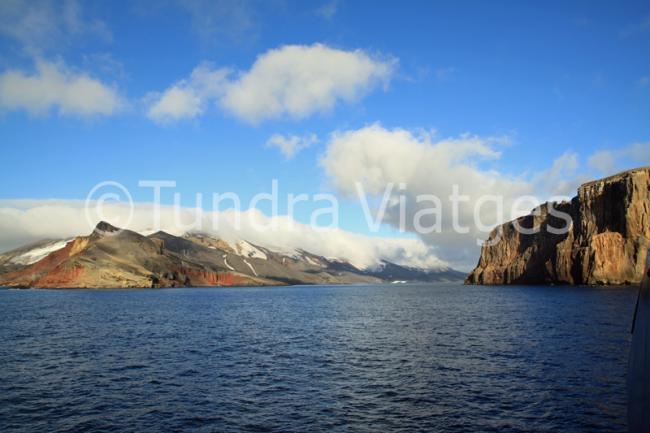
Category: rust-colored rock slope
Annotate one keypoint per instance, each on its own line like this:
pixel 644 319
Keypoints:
pixel 113 258
pixel 605 245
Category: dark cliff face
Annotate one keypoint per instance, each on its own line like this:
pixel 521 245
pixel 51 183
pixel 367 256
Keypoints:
pixel 606 244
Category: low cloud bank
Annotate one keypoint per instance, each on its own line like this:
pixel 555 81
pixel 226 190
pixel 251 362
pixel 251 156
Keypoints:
pixel 24 221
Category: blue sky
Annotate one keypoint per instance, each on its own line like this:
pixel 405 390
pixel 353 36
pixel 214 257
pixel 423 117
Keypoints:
pixel 536 80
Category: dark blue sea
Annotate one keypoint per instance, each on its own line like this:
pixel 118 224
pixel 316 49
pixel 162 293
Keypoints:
pixel 440 357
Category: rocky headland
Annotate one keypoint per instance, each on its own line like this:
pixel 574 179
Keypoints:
pixel 605 245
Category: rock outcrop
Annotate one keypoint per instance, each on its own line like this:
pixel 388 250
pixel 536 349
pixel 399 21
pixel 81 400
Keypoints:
pixel 605 244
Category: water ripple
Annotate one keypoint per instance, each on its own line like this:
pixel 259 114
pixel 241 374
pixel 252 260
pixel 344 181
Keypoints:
pixel 442 358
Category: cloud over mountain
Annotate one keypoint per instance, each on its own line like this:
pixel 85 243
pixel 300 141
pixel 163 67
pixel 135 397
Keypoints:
pixel 23 221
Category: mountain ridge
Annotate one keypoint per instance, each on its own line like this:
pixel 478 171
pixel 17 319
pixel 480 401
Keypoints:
pixel 110 257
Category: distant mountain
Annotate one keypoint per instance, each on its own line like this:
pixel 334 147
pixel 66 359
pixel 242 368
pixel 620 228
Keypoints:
pixel 396 273
pixel 111 257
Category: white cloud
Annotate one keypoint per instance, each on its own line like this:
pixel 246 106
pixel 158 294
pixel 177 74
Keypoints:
pixel 176 103
pixel 608 162
pixel 31 220
pixel 560 178
pixel 290 145
pixel 53 85
pixel 375 157
pixel 603 161
pixel 39 25
pixel 299 80
pixel 188 98
pixel 292 81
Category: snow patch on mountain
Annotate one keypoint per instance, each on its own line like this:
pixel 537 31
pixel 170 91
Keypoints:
pixel 33 256
pixel 225 262
pixel 311 261
pixel 252 268
pixel 246 249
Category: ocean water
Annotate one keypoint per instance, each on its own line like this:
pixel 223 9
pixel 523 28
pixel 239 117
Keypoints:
pixel 440 357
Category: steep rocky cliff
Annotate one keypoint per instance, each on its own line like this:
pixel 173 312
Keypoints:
pixel 606 243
